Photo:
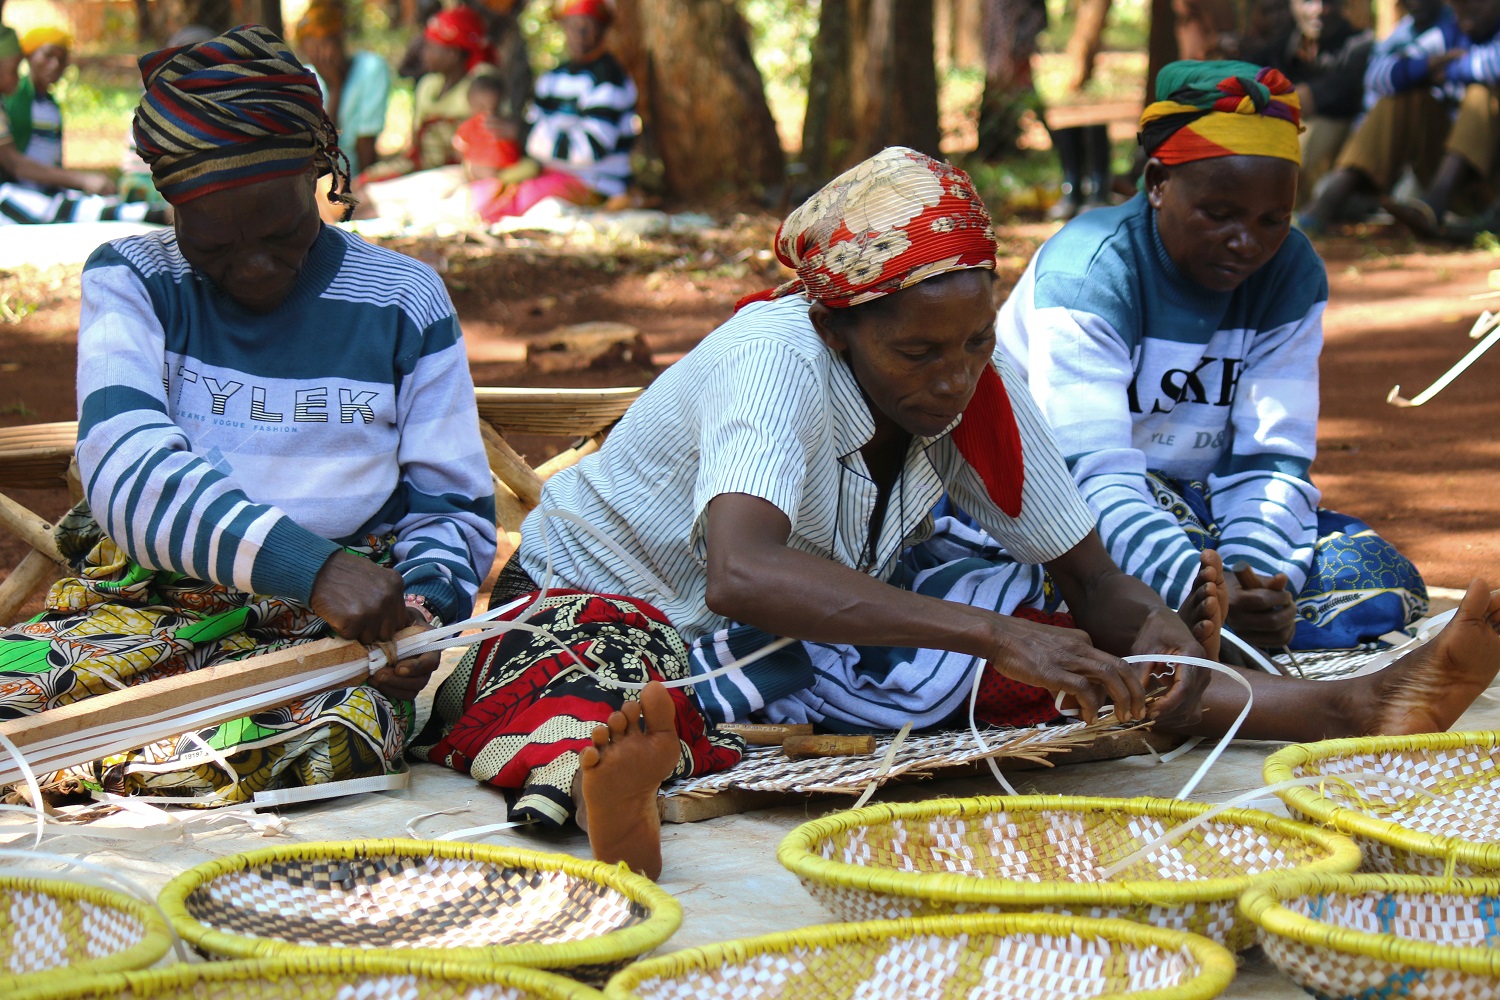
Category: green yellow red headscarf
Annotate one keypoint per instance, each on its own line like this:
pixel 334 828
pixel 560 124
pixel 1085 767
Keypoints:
pixel 37 37
pixel 10 42
pixel 1214 109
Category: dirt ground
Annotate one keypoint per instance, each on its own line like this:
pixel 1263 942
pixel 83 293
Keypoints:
pixel 1427 478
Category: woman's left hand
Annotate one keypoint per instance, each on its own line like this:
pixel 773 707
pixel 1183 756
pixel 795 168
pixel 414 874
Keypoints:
pixel 404 680
pixel 1164 632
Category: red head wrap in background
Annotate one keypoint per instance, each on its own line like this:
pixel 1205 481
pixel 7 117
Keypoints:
pixel 461 28
pixel 599 10
pixel 897 219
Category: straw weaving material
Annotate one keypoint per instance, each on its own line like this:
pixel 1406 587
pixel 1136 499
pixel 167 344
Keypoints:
pixel 1398 829
pixel 953 958
pixel 1328 664
pixel 1384 936
pixel 54 931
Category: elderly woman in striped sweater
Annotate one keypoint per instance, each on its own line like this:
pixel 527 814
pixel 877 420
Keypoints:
pixel 277 439
pixel 774 492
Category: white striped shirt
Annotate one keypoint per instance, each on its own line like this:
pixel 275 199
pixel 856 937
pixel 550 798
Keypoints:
pixel 763 407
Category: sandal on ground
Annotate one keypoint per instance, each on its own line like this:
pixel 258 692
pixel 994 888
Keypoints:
pixel 1416 215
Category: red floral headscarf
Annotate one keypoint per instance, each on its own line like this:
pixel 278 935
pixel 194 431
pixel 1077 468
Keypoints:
pixel 897 219
pixel 461 28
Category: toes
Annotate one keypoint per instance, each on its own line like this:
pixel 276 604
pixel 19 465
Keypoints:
pixel 619 723
pixel 600 736
pixel 632 712
pixel 661 713
pixel 590 757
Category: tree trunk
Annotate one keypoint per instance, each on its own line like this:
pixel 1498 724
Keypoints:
pixel 701 95
pixel 895 96
pixel 145 24
pixel 1083 46
pixel 215 14
pixel 828 127
pixel 1011 28
pixel 1161 43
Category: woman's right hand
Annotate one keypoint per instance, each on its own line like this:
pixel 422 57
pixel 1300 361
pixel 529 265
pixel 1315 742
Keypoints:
pixel 1065 660
pixel 359 599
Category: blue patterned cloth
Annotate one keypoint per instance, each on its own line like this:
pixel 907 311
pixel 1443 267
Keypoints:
pixel 1359 589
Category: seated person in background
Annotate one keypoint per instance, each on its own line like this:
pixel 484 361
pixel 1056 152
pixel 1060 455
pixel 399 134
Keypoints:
pixel 356 87
pixel 1325 57
pixel 1467 163
pixel 583 114
pixel 1172 343
pixel 780 480
pixel 492 159
pixel 277 440
pixel 34 185
pixel 454 51
pixel 1412 104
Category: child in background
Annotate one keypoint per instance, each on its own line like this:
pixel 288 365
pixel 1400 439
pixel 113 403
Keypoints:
pixel 491 156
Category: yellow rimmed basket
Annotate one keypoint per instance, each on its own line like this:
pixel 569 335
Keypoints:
pixel 1361 936
pixel 422 899
pixel 1454 830
pixel 54 931
pixel 1048 853
pixel 1037 956
pixel 322 977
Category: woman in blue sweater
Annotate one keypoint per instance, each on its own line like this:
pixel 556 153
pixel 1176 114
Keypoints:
pixel 277 439
pixel 1173 343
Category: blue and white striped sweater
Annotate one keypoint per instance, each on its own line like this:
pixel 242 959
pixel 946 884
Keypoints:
pixel 1137 368
pixel 1399 62
pixel 1480 64
pixel 244 449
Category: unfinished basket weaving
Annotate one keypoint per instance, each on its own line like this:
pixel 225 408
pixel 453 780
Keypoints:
pixel 53 931
pixel 349 976
pixel 1401 830
pixel 1049 853
pixel 1378 936
pixel 974 957
pixel 422 899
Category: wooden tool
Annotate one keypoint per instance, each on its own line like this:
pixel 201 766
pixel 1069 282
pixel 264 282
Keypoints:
pixel 766 734
pixel 827 745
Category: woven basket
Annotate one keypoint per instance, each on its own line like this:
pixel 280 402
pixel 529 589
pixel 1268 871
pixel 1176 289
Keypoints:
pixel 54 931
pixel 345 976
pixel 1399 830
pixel 1378 936
pixel 1035 956
pixel 1046 853
pixel 430 900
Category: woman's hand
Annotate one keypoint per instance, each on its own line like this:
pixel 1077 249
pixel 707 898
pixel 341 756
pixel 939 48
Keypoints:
pixel 358 599
pixel 1262 612
pixel 403 681
pixel 1064 660
pixel 1164 632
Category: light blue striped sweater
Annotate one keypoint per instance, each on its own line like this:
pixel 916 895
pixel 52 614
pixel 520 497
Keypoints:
pixel 1136 367
pixel 244 449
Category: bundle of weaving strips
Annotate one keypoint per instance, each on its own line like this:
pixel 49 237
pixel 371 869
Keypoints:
pixel 1035 956
pixel 424 900
pixel 1379 936
pixel 1050 854
pixel 55 931
pixel 1439 812
pixel 767 769
pixel 350 976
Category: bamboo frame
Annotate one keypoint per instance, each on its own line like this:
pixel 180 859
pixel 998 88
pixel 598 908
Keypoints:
pixel 663 919
pixel 1216 964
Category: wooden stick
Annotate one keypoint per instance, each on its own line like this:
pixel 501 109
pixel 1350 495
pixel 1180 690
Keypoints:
pixel 564 459
pixel 799 747
pixel 31 574
pixel 765 734
pixel 510 467
pixel 31 528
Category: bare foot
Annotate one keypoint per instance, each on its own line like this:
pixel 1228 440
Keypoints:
pixel 1428 689
pixel 621 776
pixel 1207 605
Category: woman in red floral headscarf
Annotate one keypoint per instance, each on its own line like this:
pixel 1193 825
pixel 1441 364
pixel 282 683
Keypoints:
pixel 781 480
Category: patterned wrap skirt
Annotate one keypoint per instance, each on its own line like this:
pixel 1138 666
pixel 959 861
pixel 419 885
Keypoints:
pixel 518 710
pixel 117 624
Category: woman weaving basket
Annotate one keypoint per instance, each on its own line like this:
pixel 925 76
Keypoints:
pixel 780 480
pixel 277 438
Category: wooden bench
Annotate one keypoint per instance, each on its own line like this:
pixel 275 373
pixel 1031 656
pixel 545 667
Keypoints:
pixel 40 456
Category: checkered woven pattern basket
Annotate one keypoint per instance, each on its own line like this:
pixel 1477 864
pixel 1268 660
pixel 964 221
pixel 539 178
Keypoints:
pixel 1048 853
pixel 1372 937
pixel 1457 824
pixel 346 976
pixel 423 899
pixel 973 957
pixel 52 931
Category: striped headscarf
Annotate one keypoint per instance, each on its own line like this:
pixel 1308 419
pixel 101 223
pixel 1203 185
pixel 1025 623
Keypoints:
pixel 461 28
pixel 1214 109
pixel 235 110
pixel 891 222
